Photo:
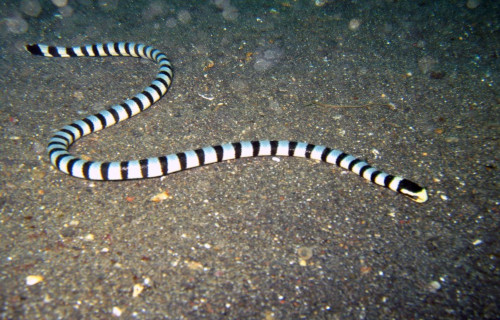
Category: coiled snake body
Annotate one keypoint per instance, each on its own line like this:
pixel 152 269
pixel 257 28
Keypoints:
pixel 61 141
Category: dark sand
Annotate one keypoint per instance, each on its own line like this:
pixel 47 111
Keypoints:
pixel 257 238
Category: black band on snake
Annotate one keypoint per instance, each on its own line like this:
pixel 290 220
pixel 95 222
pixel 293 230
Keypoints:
pixel 61 141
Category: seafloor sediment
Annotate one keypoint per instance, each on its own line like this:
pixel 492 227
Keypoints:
pixel 410 86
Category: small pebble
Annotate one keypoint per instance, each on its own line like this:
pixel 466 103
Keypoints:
pixel 148 282
pixel 137 290
pixel 117 312
pixel 194 265
pixel 161 196
pixel 31 280
pixel 433 286
pixel 451 139
pixel 107 5
pixel 365 270
pixel 319 3
pixel 89 237
pixel 74 223
pixel 354 24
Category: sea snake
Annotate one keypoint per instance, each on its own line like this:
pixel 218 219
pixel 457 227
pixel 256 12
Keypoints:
pixel 61 141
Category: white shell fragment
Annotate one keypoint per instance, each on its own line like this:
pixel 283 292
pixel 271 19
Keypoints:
pixel 137 290
pixel 161 196
pixel 117 312
pixel 31 280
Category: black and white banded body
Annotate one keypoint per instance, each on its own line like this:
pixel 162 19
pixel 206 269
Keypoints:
pixel 61 141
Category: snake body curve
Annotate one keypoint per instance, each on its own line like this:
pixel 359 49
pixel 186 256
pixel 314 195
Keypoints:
pixel 61 141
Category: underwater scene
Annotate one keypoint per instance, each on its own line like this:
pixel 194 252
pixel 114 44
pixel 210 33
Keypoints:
pixel 260 159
